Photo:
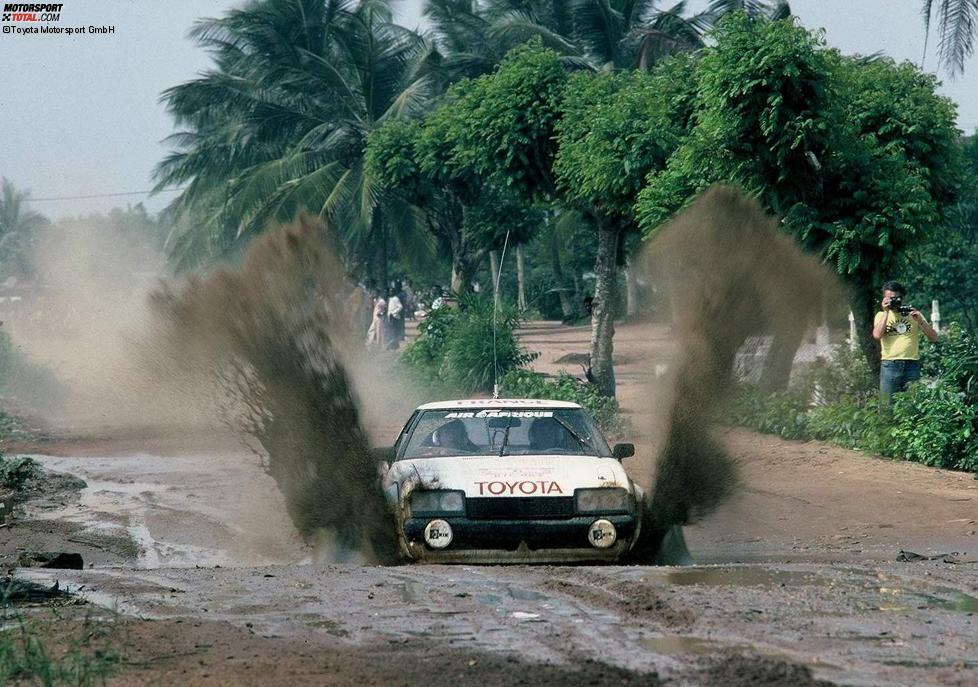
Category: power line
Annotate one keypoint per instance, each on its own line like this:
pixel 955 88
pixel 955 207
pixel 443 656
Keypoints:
pixel 105 195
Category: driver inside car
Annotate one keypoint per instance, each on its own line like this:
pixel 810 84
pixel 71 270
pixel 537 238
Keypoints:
pixel 546 434
pixel 452 435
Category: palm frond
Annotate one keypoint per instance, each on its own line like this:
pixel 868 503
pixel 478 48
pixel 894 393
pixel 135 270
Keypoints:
pixel 958 22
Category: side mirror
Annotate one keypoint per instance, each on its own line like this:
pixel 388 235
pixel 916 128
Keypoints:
pixel 621 451
pixel 383 454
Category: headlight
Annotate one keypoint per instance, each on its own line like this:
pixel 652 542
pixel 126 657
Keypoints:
pixel 437 502
pixel 603 500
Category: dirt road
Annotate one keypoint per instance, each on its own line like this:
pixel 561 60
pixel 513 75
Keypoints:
pixel 798 580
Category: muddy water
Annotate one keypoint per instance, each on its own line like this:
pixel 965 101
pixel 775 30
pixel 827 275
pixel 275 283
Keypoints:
pixel 824 617
pixel 863 624
pixel 273 335
pixel 730 274
pixel 186 510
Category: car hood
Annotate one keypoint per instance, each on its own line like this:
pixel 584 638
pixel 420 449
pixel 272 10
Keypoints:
pixel 508 476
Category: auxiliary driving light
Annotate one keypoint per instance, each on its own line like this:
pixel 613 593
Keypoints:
pixel 601 534
pixel 438 533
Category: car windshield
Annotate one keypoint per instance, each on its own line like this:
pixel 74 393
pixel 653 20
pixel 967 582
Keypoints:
pixel 504 432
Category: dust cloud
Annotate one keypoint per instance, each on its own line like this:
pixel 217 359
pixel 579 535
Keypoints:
pixel 731 275
pixel 263 350
pixel 84 320
pixel 274 333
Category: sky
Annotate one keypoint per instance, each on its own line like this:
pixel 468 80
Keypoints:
pixel 81 115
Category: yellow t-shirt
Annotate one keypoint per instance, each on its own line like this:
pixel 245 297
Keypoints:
pixel 901 340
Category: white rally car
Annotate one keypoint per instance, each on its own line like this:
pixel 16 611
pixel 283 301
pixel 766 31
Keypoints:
pixel 495 481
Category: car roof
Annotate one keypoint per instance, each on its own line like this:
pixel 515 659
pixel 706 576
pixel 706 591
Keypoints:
pixel 498 403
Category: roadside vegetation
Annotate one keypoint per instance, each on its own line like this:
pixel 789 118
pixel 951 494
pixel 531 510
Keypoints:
pixel 457 349
pixel 16 472
pixel 521 383
pixel 51 645
pixel 935 422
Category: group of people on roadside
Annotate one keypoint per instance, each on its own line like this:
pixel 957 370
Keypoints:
pixel 380 319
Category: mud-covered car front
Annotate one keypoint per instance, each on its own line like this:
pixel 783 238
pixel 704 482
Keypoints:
pixel 511 490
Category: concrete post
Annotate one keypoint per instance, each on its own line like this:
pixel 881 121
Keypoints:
pixel 853 341
pixel 935 315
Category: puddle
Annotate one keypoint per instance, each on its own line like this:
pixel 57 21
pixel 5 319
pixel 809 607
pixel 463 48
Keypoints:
pixel 738 576
pixel 155 503
pixel 525 594
pixel 958 601
pixel 899 599
pixel 675 645
pixel 331 627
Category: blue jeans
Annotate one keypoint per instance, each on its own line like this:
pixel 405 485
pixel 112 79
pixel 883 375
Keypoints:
pixel 895 375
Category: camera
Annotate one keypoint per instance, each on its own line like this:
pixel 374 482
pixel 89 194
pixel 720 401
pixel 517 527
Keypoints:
pixel 896 303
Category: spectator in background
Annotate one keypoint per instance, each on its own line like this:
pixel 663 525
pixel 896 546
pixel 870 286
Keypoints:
pixel 395 322
pixel 376 335
pixel 898 328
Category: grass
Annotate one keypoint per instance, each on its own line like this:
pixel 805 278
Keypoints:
pixel 53 650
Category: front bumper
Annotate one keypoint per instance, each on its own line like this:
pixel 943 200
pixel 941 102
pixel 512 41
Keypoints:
pixel 519 541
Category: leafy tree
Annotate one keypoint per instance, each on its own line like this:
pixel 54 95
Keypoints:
pixel 615 128
pixel 18 226
pixel 858 156
pixel 466 214
pixel 280 123
pixel 582 144
pixel 595 34
pixel 945 264
pixel 500 130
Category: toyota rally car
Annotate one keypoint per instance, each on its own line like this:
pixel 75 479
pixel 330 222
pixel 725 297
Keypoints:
pixel 494 481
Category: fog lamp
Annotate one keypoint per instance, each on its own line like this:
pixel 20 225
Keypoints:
pixel 602 534
pixel 438 534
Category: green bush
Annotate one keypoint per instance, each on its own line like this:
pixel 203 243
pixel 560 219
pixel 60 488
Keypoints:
pixel 564 387
pixel 456 347
pixel 864 426
pixel 935 426
pixel 15 472
pixel 781 413
pixel 954 359
pixel 934 423
pixel 845 375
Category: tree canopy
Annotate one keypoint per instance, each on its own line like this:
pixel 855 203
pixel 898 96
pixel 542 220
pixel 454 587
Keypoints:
pixel 859 156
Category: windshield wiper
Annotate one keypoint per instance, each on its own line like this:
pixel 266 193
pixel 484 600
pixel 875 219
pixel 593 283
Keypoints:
pixel 502 447
pixel 574 433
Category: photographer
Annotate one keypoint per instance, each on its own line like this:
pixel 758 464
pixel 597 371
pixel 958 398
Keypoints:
pixel 898 328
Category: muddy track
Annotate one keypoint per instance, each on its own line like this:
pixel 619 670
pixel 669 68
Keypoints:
pixel 798 581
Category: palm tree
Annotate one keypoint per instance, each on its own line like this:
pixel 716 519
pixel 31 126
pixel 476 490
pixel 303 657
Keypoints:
pixel 280 124
pixel 18 225
pixel 957 24
pixel 595 34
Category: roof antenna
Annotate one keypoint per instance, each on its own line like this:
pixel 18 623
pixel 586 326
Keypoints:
pixel 495 309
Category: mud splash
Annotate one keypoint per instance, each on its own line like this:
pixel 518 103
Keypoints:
pixel 273 333
pixel 731 275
